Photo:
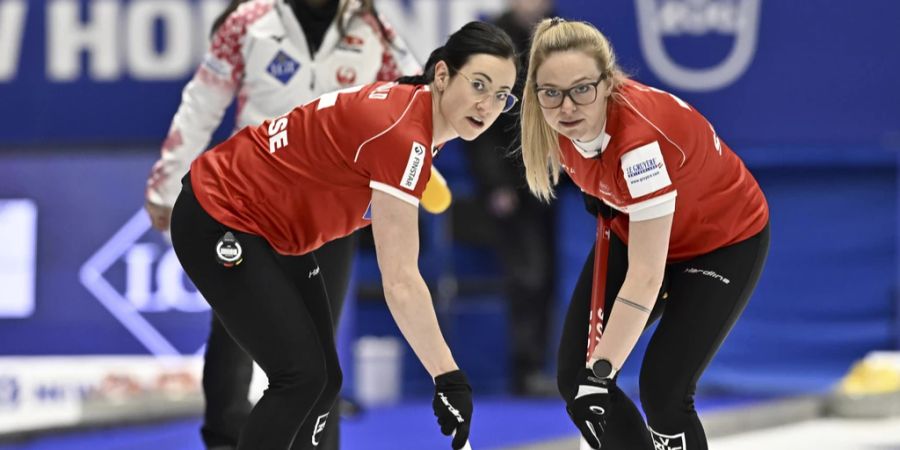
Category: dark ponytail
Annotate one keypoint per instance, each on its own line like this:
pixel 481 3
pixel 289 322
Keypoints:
pixel 428 75
pixel 474 38
pixel 224 16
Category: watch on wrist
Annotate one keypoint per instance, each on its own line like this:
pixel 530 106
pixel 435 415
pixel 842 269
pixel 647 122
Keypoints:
pixel 603 368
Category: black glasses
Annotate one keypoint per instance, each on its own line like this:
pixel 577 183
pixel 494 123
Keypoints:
pixel 580 94
pixel 482 90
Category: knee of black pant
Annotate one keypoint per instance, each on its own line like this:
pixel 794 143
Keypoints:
pixel 663 401
pixel 304 381
pixel 334 383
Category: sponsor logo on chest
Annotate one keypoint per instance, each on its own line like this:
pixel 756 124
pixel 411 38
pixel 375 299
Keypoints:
pixel 604 189
pixel 283 67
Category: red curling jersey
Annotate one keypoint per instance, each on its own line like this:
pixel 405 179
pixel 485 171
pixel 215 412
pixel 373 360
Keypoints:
pixel 306 178
pixel 654 148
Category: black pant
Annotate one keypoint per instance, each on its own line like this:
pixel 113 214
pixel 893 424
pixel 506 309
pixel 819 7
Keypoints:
pixel 699 303
pixel 228 369
pixel 276 308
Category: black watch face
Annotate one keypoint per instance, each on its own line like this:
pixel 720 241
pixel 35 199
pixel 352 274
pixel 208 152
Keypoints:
pixel 602 368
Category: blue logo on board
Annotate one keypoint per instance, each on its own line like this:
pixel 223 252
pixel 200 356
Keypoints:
pixel 283 67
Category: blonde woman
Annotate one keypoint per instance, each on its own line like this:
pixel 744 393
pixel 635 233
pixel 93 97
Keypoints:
pixel 689 235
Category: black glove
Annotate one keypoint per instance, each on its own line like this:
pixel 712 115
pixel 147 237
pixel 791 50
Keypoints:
pixel 590 409
pixel 595 207
pixel 452 406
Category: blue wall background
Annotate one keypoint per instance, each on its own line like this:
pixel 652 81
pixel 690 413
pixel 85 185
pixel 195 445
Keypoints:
pixel 815 114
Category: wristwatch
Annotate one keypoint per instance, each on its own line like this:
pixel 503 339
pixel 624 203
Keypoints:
pixel 603 369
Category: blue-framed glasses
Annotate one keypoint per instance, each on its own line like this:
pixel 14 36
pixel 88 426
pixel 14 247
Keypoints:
pixel 482 90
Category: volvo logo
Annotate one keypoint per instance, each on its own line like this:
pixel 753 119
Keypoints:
pixel 659 19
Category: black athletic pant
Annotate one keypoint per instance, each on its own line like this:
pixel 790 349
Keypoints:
pixel 699 303
pixel 228 370
pixel 276 308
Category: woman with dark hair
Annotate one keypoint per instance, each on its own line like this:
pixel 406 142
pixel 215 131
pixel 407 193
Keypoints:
pixel 261 202
pixel 274 55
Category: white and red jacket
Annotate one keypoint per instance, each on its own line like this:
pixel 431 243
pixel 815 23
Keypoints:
pixel 261 55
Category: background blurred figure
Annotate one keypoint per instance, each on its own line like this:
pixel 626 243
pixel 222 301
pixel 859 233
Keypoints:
pixel 525 231
pixel 274 55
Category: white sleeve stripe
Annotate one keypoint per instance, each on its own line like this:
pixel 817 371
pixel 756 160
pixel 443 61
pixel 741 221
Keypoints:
pixel 390 190
pixel 651 202
pixel 628 209
pixel 411 102
pixel 653 208
pixel 655 212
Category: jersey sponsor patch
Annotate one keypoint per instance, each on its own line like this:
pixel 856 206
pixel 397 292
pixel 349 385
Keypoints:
pixel 645 170
pixel 413 166
pixel 283 67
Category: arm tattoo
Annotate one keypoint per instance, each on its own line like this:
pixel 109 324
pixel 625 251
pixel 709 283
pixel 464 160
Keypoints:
pixel 632 304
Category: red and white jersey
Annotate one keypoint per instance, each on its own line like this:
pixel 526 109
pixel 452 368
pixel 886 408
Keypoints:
pixel 261 55
pixel 306 178
pixel 654 148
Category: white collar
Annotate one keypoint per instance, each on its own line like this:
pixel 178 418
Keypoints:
pixel 594 147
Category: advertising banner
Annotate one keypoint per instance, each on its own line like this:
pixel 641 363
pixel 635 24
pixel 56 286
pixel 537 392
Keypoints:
pixel 816 72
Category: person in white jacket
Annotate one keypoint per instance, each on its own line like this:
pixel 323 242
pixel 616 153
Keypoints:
pixel 273 55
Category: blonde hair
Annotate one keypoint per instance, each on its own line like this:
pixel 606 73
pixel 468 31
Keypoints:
pixel 540 143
